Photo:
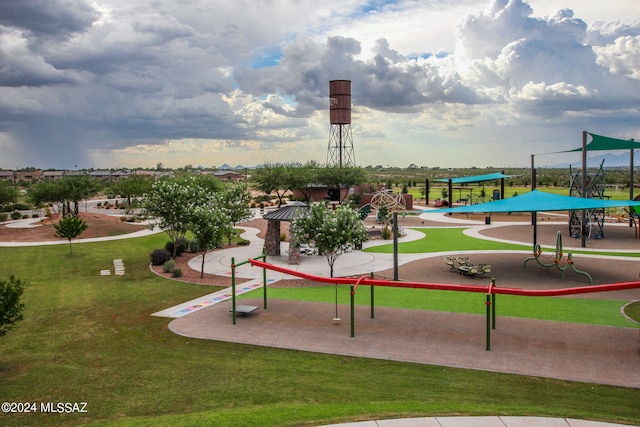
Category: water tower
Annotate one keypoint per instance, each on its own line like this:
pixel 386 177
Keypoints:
pixel 340 151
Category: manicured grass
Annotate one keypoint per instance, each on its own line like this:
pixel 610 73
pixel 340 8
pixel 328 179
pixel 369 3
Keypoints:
pixel 633 311
pixel 444 240
pixel 453 239
pixel 87 338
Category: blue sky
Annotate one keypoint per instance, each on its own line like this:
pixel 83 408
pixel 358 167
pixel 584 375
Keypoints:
pixel 115 83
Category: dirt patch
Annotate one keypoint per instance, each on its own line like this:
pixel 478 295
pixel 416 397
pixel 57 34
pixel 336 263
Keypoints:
pixel 97 226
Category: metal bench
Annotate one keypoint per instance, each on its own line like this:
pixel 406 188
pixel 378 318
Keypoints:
pixel 245 310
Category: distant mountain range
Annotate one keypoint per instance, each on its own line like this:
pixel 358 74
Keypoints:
pixel 237 168
pixel 610 161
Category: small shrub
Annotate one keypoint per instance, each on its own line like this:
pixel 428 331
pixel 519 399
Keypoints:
pixel 3 217
pixel 181 246
pixel 242 242
pixel 159 256
pixel 283 237
pixel 385 233
pixel 176 272
pixel 16 215
pixel 193 246
pixel 35 216
pixel 25 216
pixel 123 219
pixel 99 204
pixel 169 266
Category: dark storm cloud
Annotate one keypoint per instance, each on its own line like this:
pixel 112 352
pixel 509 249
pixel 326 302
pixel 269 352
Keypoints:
pixel 78 77
pixel 47 17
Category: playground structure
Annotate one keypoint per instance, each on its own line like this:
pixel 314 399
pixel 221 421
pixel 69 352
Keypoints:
pixel 581 189
pixel 491 290
pixel 385 203
pixel 557 262
pixel 593 218
pixel 463 266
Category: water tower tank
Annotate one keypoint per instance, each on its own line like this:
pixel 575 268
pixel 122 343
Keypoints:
pixel 340 102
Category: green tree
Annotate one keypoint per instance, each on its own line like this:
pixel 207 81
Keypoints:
pixel 273 178
pixel 132 187
pixel 303 178
pixel 173 201
pixel 10 305
pixel 68 192
pixel 7 193
pixel 333 232
pixel 235 201
pixel 207 182
pixel 209 223
pixel 337 178
pixel 70 227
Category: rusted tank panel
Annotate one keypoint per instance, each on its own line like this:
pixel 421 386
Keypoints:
pixel 340 102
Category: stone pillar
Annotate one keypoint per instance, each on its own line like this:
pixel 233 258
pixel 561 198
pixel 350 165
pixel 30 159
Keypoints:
pixel 272 238
pixel 294 250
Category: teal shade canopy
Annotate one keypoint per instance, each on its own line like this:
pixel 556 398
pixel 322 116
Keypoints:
pixel 475 178
pixel 537 201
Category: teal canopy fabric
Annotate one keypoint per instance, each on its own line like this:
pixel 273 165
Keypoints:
pixel 476 178
pixel 605 143
pixel 537 201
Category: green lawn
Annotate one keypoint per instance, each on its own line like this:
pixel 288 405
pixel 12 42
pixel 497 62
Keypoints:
pixel 453 239
pixel 445 240
pixel 87 338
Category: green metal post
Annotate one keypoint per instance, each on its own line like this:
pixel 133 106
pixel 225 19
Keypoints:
pixel 372 300
pixel 233 288
pixel 395 246
pixel 493 305
pixel 353 311
pixel 264 278
pixel 488 303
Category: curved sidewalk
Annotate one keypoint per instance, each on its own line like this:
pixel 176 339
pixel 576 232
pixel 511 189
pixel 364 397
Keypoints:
pixel 501 421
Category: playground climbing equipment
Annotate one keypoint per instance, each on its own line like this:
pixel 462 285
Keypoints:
pixel 385 203
pixel 594 218
pixel 557 262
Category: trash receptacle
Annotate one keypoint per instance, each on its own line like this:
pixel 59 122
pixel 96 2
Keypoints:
pixel 496 194
pixel 487 220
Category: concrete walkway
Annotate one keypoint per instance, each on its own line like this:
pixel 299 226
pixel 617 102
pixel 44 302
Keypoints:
pixel 477 422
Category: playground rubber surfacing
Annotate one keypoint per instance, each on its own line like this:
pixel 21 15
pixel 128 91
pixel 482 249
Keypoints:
pixel 593 354
pixel 585 353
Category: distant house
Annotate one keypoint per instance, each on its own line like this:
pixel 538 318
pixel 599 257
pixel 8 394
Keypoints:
pixel 6 175
pixel 101 174
pixel 153 174
pixel 29 176
pixel 228 175
pixel 320 192
pixel 118 175
pixel 52 175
